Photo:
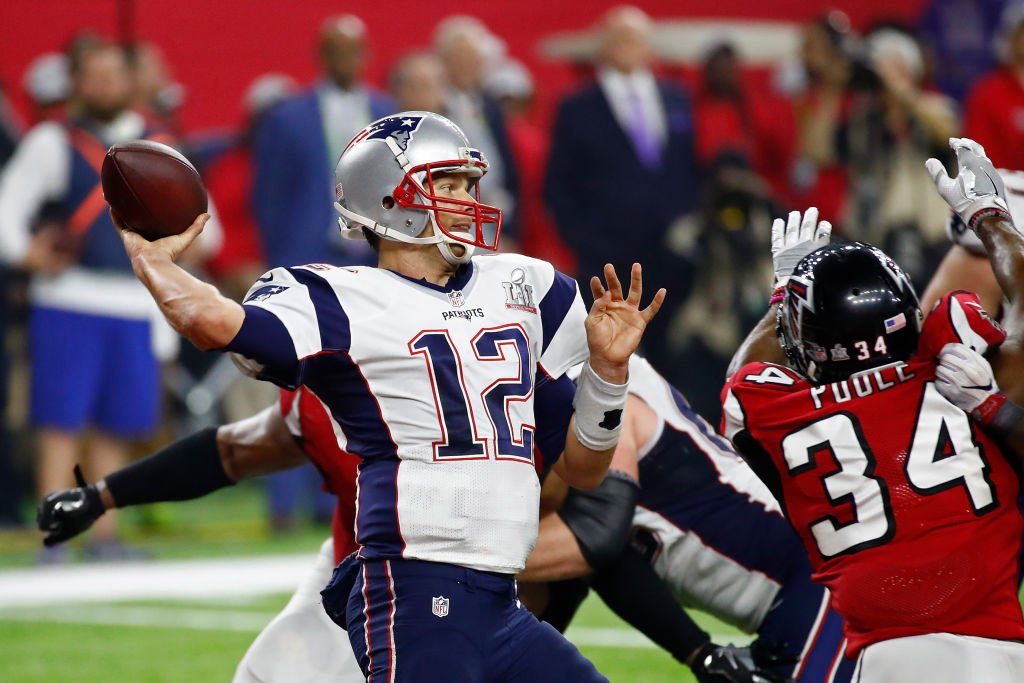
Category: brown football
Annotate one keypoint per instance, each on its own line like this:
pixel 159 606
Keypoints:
pixel 153 188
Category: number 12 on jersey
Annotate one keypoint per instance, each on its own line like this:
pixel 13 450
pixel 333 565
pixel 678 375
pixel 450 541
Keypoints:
pixel 455 403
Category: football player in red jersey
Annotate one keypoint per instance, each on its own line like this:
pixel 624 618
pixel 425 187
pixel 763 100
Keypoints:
pixel 293 432
pixel 906 508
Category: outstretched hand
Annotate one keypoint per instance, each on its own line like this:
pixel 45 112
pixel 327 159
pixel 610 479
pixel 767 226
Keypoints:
pixel 795 238
pixel 135 244
pixel 616 323
pixel 977 190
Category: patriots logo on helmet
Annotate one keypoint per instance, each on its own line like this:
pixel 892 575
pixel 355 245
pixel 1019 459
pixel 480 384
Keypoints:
pixel 400 128
pixel 264 293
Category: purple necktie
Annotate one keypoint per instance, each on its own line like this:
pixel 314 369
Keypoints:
pixel 645 141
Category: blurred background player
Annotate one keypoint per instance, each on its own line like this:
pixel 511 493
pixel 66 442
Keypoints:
pixel 95 374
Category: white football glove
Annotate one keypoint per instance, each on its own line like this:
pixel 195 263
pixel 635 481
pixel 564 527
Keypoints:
pixel 964 377
pixel 795 238
pixel 977 191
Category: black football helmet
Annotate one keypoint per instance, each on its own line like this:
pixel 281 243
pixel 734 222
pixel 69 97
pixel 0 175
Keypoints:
pixel 847 308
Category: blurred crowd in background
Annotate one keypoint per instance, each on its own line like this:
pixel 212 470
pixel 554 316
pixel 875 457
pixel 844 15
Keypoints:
pixel 681 171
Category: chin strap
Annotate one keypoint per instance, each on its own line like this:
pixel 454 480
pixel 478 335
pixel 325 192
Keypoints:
pixel 449 255
pixel 443 242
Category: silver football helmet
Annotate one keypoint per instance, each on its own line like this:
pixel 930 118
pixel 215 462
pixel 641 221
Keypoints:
pixel 383 183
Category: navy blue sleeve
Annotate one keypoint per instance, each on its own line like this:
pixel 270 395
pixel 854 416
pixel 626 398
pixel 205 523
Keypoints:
pixel 264 340
pixel 552 406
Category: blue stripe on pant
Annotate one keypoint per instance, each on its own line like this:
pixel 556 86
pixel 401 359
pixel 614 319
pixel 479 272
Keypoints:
pixel 801 622
pixel 424 622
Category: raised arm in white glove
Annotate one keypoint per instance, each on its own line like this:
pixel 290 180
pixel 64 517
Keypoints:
pixel 965 379
pixel 977 191
pixel 795 238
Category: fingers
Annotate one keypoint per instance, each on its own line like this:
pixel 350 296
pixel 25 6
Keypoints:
pixel 655 305
pixel 636 284
pixel 939 176
pixel 79 478
pixel 824 232
pixel 792 235
pixel 778 231
pixel 966 145
pixel 192 231
pixel 614 286
pixel 118 223
pixel 809 223
pixel 596 290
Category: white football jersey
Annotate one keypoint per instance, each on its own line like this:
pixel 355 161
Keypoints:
pixel 432 387
pixel 712 530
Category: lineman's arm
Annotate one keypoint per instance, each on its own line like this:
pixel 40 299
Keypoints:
pixel 191 467
pixel 1005 247
pixel 963 269
pixel 598 520
pixel 978 196
pixel 792 239
pixel 195 309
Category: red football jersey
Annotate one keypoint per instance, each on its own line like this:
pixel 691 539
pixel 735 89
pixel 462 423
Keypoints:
pixel 908 511
pixel 308 419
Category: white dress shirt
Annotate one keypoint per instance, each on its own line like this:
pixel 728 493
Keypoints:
pixel 619 88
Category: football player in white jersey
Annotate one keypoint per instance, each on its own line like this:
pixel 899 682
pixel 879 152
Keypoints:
pixel 428 364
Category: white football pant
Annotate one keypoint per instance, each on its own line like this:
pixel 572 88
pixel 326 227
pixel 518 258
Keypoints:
pixel 941 658
pixel 302 644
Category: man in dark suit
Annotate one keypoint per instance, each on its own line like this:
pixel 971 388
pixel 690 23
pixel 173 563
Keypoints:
pixel 297 144
pixel 622 167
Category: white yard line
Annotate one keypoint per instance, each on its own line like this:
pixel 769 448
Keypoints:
pixel 183 579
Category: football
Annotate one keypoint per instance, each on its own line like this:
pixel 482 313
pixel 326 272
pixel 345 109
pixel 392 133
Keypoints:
pixel 154 190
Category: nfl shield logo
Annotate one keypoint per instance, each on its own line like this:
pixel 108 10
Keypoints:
pixel 455 298
pixel 440 607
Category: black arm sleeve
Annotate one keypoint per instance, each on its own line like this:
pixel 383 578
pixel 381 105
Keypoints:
pixel 633 591
pixel 188 468
pixel 600 519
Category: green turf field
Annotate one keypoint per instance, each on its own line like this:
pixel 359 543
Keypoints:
pixel 203 640
pixel 41 646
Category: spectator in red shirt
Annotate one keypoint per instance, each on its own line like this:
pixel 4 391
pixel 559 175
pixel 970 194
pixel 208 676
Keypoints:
pixel 995 106
pixel 732 119
pixel 821 108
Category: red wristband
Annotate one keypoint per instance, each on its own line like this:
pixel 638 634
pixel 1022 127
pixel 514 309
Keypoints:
pixel 986 412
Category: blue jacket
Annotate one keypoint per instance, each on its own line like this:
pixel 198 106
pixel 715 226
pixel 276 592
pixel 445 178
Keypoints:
pixel 293 188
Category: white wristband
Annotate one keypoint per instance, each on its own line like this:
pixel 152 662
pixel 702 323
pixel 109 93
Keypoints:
pixel 599 406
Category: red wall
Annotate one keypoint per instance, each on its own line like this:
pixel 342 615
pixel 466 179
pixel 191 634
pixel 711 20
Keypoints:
pixel 217 47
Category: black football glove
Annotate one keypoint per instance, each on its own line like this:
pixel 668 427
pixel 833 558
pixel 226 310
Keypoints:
pixel 67 513
pixel 728 664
